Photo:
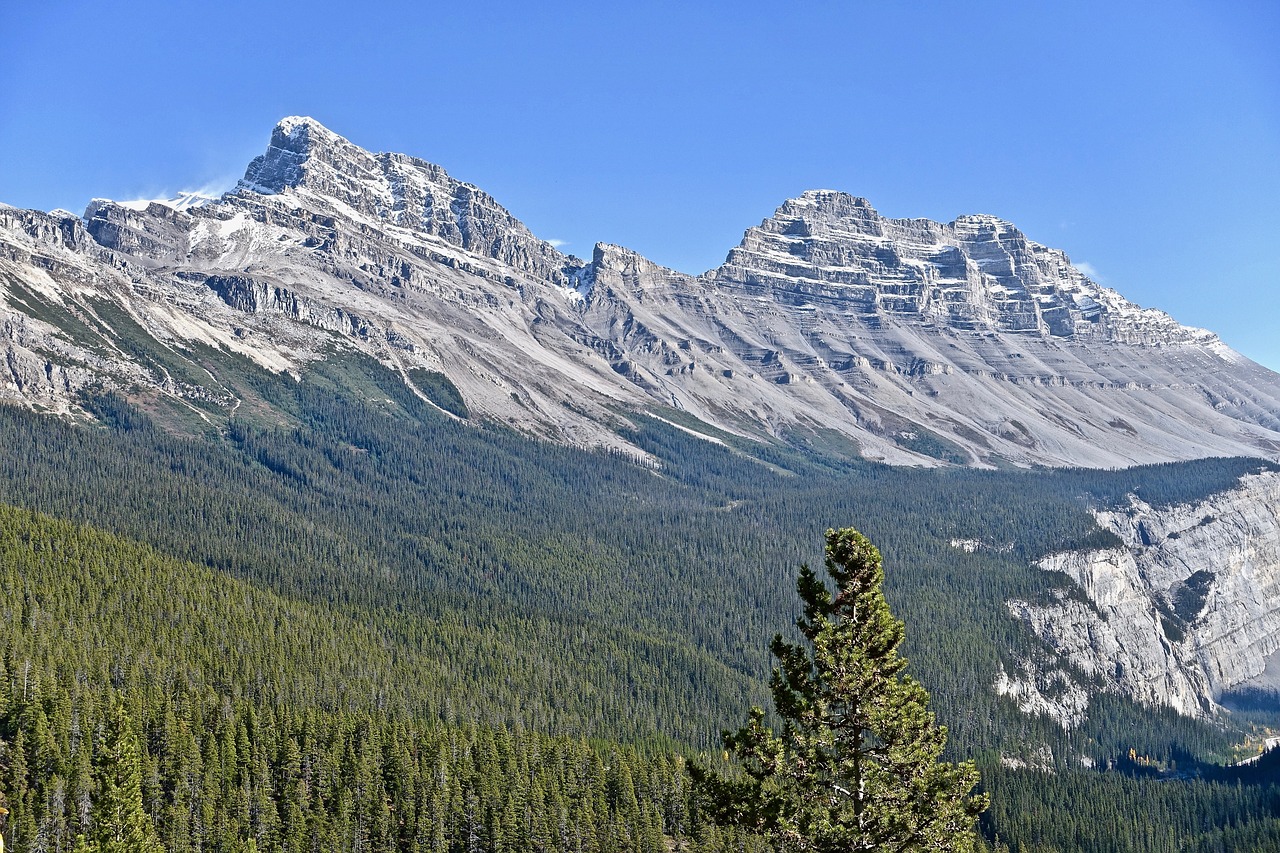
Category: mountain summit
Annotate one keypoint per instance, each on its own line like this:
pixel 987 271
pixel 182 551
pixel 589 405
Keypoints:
pixel 298 145
pixel 976 273
pixel 329 172
pixel 903 340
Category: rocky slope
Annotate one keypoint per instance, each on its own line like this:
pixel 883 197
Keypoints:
pixel 1183 612
pixel 908 341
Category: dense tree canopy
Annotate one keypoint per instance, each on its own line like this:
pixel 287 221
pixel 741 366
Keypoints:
pixel 346 621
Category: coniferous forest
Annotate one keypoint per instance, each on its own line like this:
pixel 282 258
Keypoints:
pixel 345 620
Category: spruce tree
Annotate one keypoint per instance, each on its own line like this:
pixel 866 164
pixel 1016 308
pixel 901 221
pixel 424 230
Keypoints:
pixel 856 765
pixel 121 824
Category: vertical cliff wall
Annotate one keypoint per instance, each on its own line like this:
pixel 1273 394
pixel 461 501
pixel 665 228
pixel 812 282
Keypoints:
pixel 1186 610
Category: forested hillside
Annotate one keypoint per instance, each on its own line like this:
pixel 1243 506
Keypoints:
pixel 249 717
pixel 346 620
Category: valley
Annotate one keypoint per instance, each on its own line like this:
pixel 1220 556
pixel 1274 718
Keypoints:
pixel 357 502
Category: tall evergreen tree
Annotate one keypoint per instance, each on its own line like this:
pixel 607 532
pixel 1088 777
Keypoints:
pixel 121 824
pixel 856 766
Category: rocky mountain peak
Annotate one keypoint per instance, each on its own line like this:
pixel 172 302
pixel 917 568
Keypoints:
pixel 329 172
pixel 59 228
pixel 981 223
pixel 976 273
pixel 816 212
pixel 297 144
pixel 305 154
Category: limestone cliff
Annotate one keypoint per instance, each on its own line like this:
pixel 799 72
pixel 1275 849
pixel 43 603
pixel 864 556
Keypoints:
pixel 902 340
pixel 1186 610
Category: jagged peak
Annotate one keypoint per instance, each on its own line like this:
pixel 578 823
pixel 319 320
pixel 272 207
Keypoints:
pixel 816 204
pixel 826 205
pixel 291 125
pixel 978 219
pixel 983 224
pixel 610 257
pixel 837 205
pixel 298 133
pixel 603 251
pixel 295 141
pixel 327 171
pixel 300 146
pixel 829 199
pixel 818 211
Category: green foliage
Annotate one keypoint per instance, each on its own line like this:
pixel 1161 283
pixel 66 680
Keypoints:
pixel 223 775
pixel 1167 484
pixel 114 411
pixel 120 824
pixel 856 766
pixel 928 443
pixel 440 391
pixel 1189 598
pixel 1082 810
pixel 145 702
pixel 526 565
pixel 343 553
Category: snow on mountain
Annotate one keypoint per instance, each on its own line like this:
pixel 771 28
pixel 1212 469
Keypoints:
pixel 904 340
pixel 184 200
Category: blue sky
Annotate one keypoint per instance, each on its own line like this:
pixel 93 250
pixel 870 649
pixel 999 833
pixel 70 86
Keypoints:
pixel 1142 138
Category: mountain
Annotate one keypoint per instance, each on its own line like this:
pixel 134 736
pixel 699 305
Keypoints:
pixel 830 326
pixel 313 414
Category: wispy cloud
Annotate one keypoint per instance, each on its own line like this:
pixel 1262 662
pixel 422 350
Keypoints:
pixel 181 198
pixel 217 187
pixel 1089 270
pixel 558 243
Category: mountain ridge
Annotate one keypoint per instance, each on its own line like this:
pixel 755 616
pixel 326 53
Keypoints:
pixel 905 340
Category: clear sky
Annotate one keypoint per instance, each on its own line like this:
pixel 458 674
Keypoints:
pixel 1142 138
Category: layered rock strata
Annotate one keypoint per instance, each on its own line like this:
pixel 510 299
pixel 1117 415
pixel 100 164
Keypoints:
pixel 906 341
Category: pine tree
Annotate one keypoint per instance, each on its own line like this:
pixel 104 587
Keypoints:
pixel 121 824
pixel 856 766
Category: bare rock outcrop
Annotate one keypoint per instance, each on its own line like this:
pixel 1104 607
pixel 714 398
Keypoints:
pixel 1186 610
pixel 908 341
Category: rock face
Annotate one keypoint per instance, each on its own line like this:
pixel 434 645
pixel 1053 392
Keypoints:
pixel 907 341
pixel 1185 610
pixel 394 189
pixel 977 273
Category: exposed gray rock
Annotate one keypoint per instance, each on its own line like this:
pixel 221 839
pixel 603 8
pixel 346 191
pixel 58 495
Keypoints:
pixel 398 190
pixel 917 342
pixel 1189 607
pixel 976 273
pixel 154 235
pixel 1050 692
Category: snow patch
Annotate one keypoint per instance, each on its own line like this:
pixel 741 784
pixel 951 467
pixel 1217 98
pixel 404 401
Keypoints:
pixel 692 432
pixel 184 200
pixel 1225 352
